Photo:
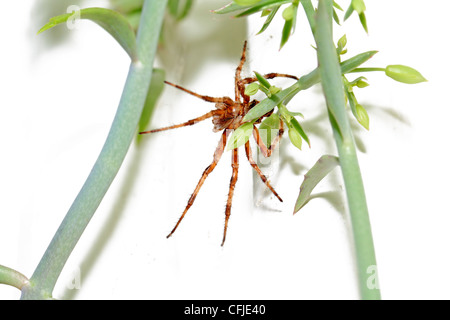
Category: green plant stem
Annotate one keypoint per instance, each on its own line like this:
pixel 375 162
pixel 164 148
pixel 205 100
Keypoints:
pixel 12 277
pixel 369 69
pixel 122 132
pixel 331 76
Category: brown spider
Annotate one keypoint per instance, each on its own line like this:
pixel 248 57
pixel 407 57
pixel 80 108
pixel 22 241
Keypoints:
pixel 228 116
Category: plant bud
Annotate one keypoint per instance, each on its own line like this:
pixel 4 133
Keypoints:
pixel 288 13
pixel 252 89
pixel 404 74
pixel 362 116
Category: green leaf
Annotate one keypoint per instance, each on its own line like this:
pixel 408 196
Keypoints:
pixel 298 128
pixel 268 129
pixel 246 2
pixel 286 33
pixel 337 6
pixel 112 21
pixel 362 19
pixel 240 136
pixel 231 7
pixel 154 92
pixel 321 168
pixel 349 12
pixel 289 25
pixel 404 74
pixel 269 19
pixel 263 5
pixel 295 137
pixel 354 62
pixel 263 81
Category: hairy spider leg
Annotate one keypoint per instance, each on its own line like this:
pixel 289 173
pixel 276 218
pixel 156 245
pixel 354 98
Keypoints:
pixel 248 152
pixel 234 176
pixel 267 152
pixel 184 124
pixel 237 78
pixel 203 97
pixel 217 155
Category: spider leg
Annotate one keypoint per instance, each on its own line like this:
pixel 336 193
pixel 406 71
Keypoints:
pixel 267 152
pixel 217 155
pixel 184 124
pixel 203 97
pixel 237 78
pixel 268 76
pixel 248 152
pixel 234 176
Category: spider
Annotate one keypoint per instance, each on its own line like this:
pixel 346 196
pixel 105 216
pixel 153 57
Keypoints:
pixel 227 116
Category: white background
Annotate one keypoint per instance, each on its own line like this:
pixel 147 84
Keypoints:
pixel 58 95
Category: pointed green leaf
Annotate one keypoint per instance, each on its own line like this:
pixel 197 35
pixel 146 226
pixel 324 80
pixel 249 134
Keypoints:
pixel 404 74
pixel 112 21
pixel 298 128
pixel 263 5
pixel 337 6
pixel 231 7
pixel 336 17
pixel 349 12
pixel 240 136
pixel 295 137
pixel 246 2
pixel 269 19
pixel 354 62
pixel 362 19
pixel 321 168
pixel 263 81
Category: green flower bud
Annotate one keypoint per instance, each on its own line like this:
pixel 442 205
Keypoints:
pixel 404 74
pixel 362 116
pixel 295 137
pixel 288 13
pixel 361 83
pixel 359 6
pixel 342 42
pixel 252 89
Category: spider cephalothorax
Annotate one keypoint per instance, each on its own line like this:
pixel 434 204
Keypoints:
pixel 227 116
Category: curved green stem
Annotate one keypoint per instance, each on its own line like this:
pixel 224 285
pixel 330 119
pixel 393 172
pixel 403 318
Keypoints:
pixel 12 277
pixel 369 69
pixel 121 134
pixel 331 76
